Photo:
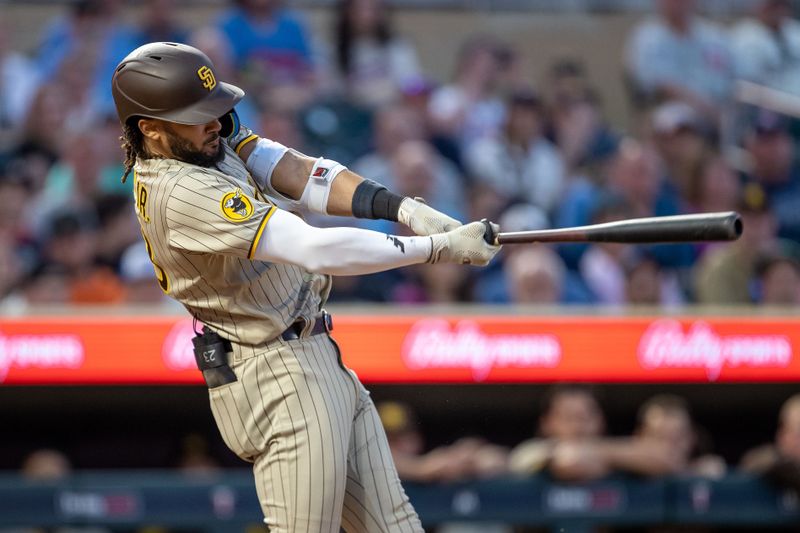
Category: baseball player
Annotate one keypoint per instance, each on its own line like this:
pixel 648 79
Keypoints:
pixel 215 203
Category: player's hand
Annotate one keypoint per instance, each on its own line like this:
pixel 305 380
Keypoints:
pixel 232 130
pixel 464 245
pixel 423 219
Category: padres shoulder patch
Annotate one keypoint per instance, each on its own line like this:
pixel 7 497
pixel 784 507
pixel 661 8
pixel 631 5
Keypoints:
pixel 236 206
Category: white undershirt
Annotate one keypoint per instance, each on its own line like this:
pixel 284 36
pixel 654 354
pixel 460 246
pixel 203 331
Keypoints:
pixel 336 251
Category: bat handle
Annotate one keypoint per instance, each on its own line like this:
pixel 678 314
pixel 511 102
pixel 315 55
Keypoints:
pixel 489 235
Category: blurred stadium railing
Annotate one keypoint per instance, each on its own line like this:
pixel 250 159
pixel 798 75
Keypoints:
pixel 228 503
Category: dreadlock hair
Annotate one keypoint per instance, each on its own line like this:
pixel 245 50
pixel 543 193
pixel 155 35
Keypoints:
pixel 133 144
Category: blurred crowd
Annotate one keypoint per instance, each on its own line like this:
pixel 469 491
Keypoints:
pixel 568 444
pixel 483 141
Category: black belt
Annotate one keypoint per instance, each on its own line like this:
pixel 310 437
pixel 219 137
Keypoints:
pixel 322 324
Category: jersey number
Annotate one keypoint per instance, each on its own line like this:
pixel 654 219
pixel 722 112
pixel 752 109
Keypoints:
pixel 163 280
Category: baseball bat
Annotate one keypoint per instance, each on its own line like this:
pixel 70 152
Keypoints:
pixel 726 226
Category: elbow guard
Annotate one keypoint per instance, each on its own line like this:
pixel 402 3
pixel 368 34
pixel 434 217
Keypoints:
pixel 318 188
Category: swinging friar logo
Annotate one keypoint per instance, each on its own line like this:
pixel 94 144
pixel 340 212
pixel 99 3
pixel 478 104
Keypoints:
pixel 236 206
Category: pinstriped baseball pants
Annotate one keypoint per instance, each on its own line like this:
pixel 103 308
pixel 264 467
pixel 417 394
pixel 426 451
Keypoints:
pixel 320 456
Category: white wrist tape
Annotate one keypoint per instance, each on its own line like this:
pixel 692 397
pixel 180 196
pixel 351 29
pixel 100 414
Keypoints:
pixel 262 161
pixel 318 187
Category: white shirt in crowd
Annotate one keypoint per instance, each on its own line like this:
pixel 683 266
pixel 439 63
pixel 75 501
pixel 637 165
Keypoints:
pixel 535 175
pixel 700 61
pixel 378 72
pixel 768 57
pixel 18 82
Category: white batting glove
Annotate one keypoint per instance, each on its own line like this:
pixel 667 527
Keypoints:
pixel 464 245
pixel 423 219
pixel 235 134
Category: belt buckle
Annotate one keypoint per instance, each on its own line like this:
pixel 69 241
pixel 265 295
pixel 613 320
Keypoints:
pixel 327 321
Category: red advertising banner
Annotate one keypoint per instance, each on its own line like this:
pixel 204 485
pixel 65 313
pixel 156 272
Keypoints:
pixel 420 349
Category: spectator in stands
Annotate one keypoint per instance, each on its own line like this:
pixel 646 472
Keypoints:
pixel 400 152
pixel 282 125
pixel 71 244
pixel 643 281
pixel 92 37
pixel 117 228
pixel 428 284
pixel 676 55
pixel 466 458
pixel 723 274
pixel 372 61
pixel 779 462
pixel 15 192
pixel 195 458
pixel 47 284
pixel 19 79
pixel 680 136
pixel 44 124
pixel 73 182
pixel 635 174
pixel 416 169
pixel 718 187
pixel 649 283
pixel 159 23
pixel 569 413
pixel 45 464
pixel 578 127
pixel 11 266
pixel 774 167
pixel 416 98
pixel 270 43
pixel 665 421
pixel 468 109
pixel 777 279
pixel 535 275
pixel 136 274
pixel 602 266
pixel 571 445
pixel 767 47
pixel 521 164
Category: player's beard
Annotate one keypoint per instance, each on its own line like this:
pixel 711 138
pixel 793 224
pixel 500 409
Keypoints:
pixel 183 150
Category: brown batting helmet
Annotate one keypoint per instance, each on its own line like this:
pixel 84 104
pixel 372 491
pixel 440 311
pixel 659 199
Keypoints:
pixel 173 82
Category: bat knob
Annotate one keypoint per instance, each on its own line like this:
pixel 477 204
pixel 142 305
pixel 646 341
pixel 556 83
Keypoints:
pixel 490 233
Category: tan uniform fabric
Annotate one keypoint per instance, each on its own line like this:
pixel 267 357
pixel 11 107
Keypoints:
pixel 201 251
pixel 320 456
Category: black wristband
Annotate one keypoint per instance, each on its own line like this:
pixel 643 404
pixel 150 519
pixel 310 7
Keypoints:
pixel 386 205
pixel 364 197
pixel 373 200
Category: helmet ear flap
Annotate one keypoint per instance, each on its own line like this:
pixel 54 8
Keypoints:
pixel 230 124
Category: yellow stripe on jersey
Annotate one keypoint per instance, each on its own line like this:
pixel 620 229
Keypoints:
pixel 245 141
pixel 260 231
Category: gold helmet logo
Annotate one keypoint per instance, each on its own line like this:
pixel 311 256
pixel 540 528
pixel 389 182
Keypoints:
pixel 207 77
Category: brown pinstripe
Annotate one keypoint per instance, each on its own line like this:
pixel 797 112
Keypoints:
pixel 321 459
pixel 319 452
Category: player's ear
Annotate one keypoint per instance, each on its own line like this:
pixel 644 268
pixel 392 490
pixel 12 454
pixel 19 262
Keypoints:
pixel 150 128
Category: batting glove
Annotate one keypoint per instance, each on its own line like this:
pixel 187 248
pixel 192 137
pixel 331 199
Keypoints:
pixel 234 132
pixel 423 219
pixel 464 245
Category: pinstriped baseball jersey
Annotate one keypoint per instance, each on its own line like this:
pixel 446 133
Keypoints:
pixel 201 227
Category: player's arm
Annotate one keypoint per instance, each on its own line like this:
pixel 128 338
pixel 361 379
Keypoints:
pixel 286 238
pixel 324 186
